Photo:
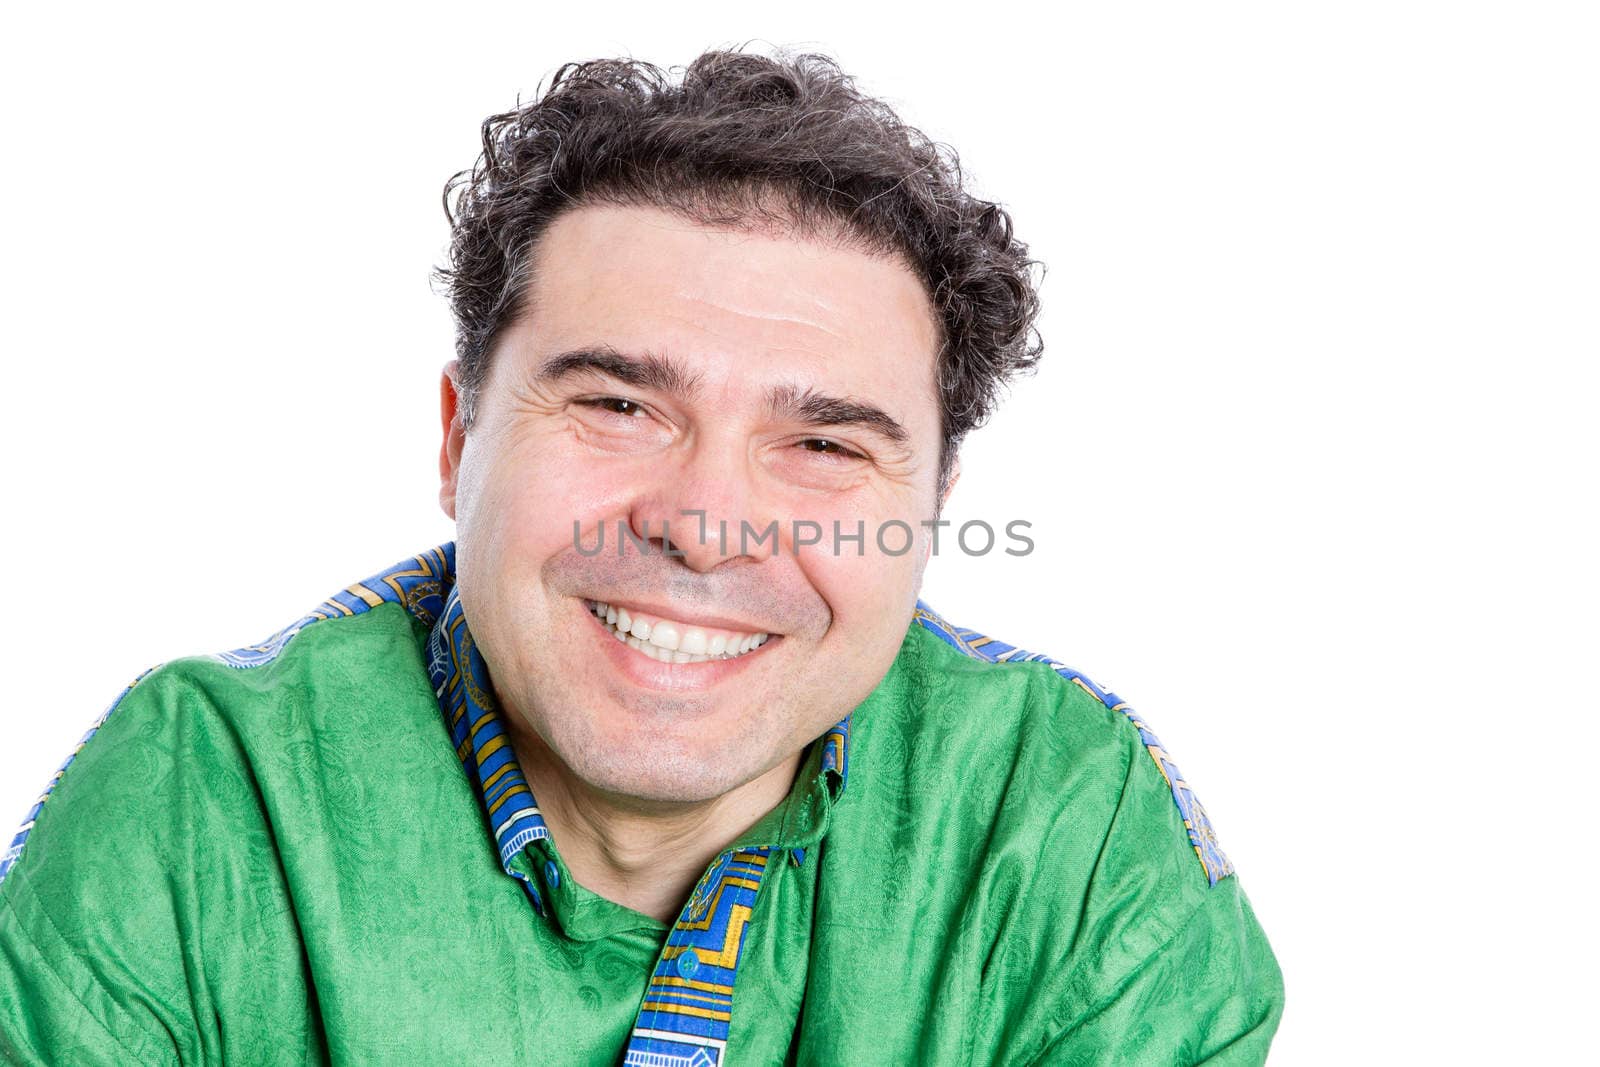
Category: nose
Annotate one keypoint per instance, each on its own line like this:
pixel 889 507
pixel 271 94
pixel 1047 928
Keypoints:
pixel 704 507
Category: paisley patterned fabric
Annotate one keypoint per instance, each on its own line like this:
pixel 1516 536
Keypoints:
pixel 981 646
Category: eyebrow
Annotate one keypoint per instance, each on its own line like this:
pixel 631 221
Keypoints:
pixel 647 370
pixel 818 409
pixel 650 370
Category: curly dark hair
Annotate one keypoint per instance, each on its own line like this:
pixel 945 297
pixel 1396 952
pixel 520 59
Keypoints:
pixel 743 140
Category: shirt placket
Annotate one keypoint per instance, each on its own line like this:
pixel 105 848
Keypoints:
pixel 688 1003
pixel 687 1008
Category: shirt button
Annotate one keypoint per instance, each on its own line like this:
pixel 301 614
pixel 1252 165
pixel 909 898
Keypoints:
pixel 688 963
pixel 552 873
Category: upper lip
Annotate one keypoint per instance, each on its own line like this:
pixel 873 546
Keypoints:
pixel 686 616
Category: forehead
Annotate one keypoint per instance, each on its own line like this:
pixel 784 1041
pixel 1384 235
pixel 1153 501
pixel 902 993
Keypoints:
pixel 736 307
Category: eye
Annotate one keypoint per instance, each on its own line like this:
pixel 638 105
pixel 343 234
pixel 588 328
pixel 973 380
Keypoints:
pixel 617 405
pixel 827 446
pixel 618 425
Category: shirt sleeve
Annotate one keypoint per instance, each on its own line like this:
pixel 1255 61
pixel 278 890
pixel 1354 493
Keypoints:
pixel 1211 994
pixel 93 965
pixel 54 1010
pixel 1159 963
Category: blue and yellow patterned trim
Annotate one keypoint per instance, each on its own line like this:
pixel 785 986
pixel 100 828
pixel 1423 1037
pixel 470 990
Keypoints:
pixel 466 698
pixel 981 646
pixel 688 1004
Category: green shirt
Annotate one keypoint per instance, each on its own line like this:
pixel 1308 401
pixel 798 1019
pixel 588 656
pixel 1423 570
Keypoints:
pixel 287 854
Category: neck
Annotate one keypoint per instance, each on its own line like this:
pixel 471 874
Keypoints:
pixel 643 855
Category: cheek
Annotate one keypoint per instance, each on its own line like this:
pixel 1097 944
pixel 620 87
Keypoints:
pixel 527 498
pixel 870 583
pixel 865 587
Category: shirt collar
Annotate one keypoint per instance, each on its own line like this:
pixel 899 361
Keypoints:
pixel 466 699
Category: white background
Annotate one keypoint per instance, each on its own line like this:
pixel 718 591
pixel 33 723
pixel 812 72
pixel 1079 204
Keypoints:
pixel 1310 460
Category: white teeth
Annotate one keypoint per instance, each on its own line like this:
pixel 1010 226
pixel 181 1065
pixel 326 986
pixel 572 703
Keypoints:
pixel 670 642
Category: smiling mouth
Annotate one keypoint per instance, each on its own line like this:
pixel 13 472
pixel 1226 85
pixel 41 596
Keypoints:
pixel 671 641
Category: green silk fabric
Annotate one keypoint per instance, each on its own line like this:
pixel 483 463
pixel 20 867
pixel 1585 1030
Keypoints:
pixel 286 864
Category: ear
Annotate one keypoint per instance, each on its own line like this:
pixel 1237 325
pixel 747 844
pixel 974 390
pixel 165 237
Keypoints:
pixel 955 476
pixel 944 498
pixel 454 437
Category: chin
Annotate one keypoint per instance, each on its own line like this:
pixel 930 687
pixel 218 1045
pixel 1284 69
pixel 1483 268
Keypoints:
pixel 696 751
pixel 657 777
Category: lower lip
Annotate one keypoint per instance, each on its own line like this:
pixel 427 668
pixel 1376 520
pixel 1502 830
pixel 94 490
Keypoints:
pixel 653 674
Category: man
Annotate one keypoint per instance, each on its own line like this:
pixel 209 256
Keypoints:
pixel 785 813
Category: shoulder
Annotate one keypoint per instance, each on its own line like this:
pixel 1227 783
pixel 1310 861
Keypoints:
pixel 170 836
pixel 1062 742
pixel 1106 899
pixel 194 732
